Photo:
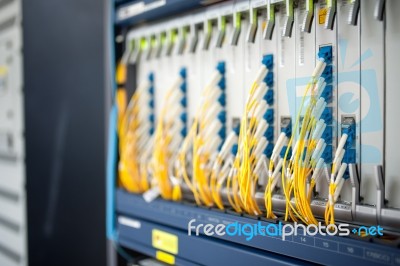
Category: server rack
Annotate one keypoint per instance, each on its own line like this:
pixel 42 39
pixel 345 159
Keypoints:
pixel 134 223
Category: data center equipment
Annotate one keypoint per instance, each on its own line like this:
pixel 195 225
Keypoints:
pixel 268 112
pixel 13 226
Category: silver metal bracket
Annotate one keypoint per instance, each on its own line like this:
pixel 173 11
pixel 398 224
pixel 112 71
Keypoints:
pixel 237 18
pixel 149 49
pixel 158 48
pixel 379 10
pixel 270 25
pixel 355 189
pixel 353 12
pixel 134 55
pixel 306 25
pixel 331 14
pixel 251 32
pixel 221 31
pixel 207 28
pixel 380 192
pixel 193 37
pixel 171 38
pixel 288 26
pixel 182 33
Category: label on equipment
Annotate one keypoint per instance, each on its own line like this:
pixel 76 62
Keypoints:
pixel 129 222
pixel 322 15
pixel 165 257
pixel 164 241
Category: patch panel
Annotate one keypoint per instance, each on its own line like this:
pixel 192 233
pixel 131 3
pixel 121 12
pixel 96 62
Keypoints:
pixel 325 52
pixel 269 115
pixel 349 51
pixel 222 100
pixel 305 29
pixel 268 39
pixel 290 158
pixel 326 46
pixel 183 101
pixel 151 103
pixel 168 135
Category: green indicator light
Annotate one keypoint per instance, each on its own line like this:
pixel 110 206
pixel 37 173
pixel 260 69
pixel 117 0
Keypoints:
pixel 173 34
pixel 289 8
pixel 238 20
pixel 254 16
pixel 143 43
pixel 223 23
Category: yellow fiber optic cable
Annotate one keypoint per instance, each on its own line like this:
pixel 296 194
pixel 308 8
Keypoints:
pixel 132 166
pixel 202 144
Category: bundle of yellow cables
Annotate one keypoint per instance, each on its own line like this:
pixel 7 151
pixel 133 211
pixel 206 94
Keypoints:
pixel 204 139
pixel 135 137
pixel 206 163
pixel 337 179
pixel 301 169
pixel 222 165
pixel 297 169
pixel 252 144
pixel 170 130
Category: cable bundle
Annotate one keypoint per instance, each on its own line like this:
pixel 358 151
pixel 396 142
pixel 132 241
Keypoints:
pixel 169 134
pixel 135 138
pixel 208 161
pixel 301 168
pixel 204 139
pixel 337 179
pixel 252 145
pixel 223 165
pixel 304 164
